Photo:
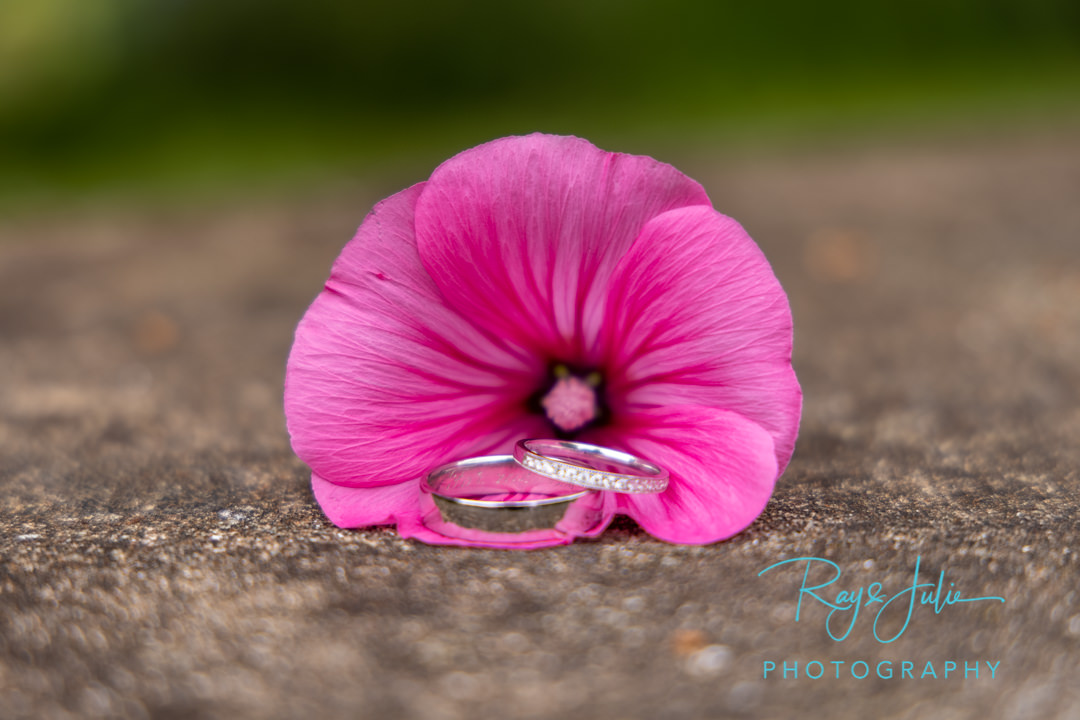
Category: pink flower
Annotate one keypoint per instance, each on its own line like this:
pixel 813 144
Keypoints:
pixel 539 287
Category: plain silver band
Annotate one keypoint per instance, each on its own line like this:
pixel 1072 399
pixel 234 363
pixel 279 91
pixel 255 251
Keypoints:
pixel 504 516
pixel 576 463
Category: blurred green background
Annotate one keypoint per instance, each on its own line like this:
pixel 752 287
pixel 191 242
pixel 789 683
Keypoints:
pixel 196 96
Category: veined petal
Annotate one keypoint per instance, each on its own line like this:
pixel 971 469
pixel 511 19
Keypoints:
pixel 352 506
pixel 522 234
pixel 384 380
pixel 697 317
pixel 355 507
pixel 723 469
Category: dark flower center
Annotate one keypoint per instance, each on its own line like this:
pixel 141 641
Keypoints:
pixel 571 400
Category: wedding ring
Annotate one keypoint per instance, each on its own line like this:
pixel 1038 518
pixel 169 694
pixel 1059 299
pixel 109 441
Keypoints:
pixel 495 494
pixel 590 466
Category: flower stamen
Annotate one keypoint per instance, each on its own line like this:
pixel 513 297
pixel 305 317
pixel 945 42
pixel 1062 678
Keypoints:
pixel 570 404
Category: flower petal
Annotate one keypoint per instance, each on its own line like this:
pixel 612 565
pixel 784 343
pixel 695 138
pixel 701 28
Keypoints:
pixel 698 318
pixel 523 233
pixel 404 505
pixel 723 469
pixel 355 507
pixel 384 380
pixel 349 506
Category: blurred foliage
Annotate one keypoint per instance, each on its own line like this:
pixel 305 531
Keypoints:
pixel 189 92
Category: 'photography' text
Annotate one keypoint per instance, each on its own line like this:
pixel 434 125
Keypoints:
pixel 887 616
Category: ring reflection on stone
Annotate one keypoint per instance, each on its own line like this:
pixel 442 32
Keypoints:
pixel 495 494
pixel 591 466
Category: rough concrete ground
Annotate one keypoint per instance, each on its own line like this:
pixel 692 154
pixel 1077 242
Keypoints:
pixel 162 556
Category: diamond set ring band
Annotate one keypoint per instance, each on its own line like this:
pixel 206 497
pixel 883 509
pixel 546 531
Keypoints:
pixel 591 466
pixel 533 490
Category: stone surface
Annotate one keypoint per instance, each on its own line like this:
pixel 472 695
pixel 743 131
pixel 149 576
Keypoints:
pixel 161 556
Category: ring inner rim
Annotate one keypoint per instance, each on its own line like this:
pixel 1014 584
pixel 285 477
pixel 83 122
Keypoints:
pixel 432 480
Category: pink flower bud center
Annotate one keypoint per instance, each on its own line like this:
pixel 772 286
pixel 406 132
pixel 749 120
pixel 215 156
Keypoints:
pixel 570 404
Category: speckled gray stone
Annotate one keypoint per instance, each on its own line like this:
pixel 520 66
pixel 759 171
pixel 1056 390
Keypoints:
pixel 161 556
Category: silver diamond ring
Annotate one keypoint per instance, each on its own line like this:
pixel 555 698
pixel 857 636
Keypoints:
pixel 591 466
